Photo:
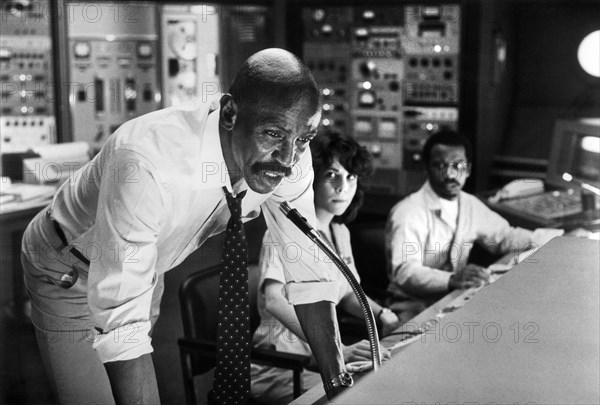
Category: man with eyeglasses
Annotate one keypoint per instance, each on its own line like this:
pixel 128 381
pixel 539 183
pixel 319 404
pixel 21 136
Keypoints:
pixel 430 233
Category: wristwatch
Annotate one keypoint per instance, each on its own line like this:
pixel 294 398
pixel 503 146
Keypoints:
pixel 342 380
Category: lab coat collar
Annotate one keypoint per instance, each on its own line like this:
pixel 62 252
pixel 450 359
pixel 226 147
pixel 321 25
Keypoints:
pixel 432 200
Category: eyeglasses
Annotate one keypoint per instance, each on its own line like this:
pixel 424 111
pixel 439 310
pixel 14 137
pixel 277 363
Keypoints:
pixel 456 166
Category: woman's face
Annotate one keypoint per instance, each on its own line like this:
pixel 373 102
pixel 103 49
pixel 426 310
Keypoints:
pixel 334 189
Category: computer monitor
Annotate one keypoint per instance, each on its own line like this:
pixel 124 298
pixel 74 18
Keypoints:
pixel 575 150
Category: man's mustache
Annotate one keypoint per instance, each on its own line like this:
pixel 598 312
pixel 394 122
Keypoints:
pixel 272 167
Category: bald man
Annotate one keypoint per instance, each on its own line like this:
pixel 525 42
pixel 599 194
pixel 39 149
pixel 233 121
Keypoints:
pixel 94 259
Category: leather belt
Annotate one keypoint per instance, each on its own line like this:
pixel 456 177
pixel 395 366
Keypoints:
pixel 63 239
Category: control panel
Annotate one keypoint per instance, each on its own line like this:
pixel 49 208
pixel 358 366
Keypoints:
pixel 20 133
pixel 27 90
pixel 430 44
pixel 389 77
pixel 190 44
pixel 327 52
pixel 113 67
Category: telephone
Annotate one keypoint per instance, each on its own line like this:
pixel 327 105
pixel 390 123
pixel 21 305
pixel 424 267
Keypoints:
pixel 517 189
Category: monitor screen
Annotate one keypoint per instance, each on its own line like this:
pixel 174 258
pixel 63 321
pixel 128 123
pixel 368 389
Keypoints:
pixel 575 154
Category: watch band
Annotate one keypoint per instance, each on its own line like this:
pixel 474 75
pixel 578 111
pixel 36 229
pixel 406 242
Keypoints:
pixel 342 380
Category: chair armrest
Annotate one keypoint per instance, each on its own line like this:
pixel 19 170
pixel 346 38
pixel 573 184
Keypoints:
pixel 197 357
pixel 266 357
pixel 197 345
pixel 275 358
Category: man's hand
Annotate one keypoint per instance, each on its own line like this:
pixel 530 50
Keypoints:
pixel 361 351
pixel 471 276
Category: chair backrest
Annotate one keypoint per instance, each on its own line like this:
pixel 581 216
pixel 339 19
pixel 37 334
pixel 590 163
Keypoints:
pixel 368 248
pixel 199 297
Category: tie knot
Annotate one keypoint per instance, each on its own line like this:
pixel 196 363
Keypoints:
pixel 234 203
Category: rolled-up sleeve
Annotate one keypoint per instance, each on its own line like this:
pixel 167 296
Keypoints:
pixel 122 277
pixel 307 272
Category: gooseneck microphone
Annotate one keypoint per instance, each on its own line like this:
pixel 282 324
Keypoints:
pixel 293 215
pixel 298 220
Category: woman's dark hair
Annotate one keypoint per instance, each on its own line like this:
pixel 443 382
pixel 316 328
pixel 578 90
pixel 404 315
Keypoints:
pixel 356 159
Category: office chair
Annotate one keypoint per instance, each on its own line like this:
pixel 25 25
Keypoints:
pixel 198 296
pixel 368 248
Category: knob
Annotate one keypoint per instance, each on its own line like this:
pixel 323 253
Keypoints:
pixel 376 150
pixel 367 68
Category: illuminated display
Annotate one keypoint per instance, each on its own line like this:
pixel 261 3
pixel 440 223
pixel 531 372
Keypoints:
pixel 82 50
pixel 366 99
pixel 144 50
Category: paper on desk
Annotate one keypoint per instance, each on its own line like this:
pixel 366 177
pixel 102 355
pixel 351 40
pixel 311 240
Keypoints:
pixel 6 198
pixel 62 151
pixel 404 342
pixel 26 192
pixel 510 259
pixel 56 164
pixel 594 235
pixel 499 268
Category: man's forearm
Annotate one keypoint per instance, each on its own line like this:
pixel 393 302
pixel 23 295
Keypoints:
pixel 133 381
pixel 422 281
pixel 319 323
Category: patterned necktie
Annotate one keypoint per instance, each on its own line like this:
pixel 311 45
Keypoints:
pixel 232 372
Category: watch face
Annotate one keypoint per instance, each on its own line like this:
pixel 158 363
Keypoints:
pixel 346 380
pixel 342 380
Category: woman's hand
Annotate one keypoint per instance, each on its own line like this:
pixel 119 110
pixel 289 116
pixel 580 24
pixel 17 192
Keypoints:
pixel 389 323
pixel 361 351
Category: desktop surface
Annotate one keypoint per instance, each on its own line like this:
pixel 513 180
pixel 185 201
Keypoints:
pixel 550 209
pixel 547 206
pixel 530 337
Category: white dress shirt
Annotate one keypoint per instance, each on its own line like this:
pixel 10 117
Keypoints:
pixel 151 197
pixel 425 244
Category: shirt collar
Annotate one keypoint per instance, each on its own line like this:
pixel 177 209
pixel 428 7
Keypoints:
pixel 213 170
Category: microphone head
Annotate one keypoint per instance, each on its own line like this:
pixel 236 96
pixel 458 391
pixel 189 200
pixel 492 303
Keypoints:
pixel 285 208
